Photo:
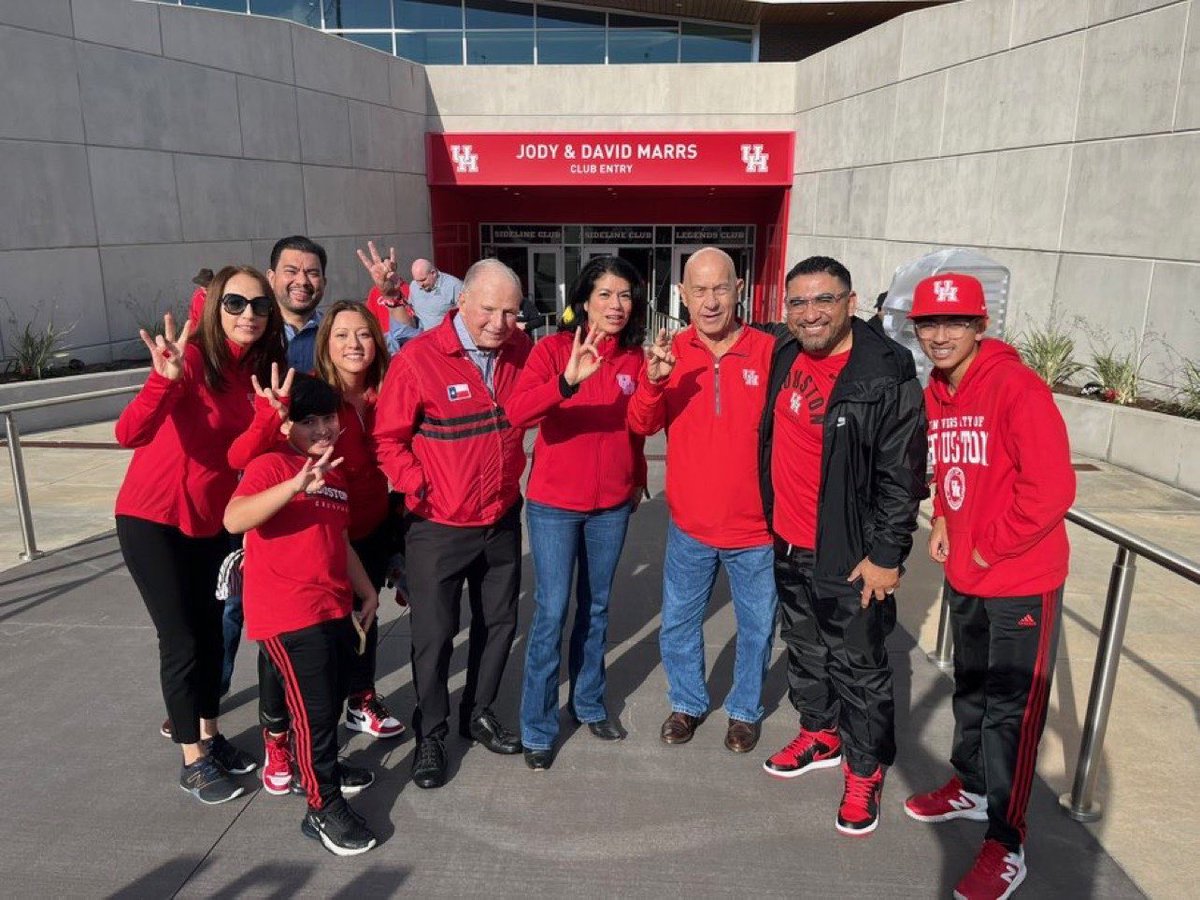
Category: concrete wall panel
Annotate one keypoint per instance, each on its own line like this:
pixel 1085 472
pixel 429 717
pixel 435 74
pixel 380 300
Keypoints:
pixel 1034 20
pixel 337 66
pixel 833 202
pixel 1031 294
pixel 1187 113
pixel 810 82
pixel 133 26
pixel 802 210
pixel 865 259
pixel 59 286
pixel 864 62
pixel 45 196
pixel 920 113
pixel 942 36
pixel 378 137
pixel 179 106
pixel 251 45
pixel 988 102
pixel 409 87
pixel 269 119
pixel 40 97
pixel 40 15
pixel 945 201
pixel 1131 68
pixel 1104 300
pixel 134 195
pixel 1172 322
pixel 238 199
pixel 1031 186
pixel 325 128
pixel 1135 197
pixel 348 202
pixel 1106 10
pixel 632 122
pixel 412 204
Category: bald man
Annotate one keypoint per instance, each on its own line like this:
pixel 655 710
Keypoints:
pixel 707 387
pixel 432 294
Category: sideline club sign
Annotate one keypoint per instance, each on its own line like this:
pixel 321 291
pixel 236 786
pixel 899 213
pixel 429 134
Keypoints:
pixel 611 159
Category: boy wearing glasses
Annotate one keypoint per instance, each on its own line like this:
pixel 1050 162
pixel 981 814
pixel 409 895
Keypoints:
pixel 1003 483
pixel 299 574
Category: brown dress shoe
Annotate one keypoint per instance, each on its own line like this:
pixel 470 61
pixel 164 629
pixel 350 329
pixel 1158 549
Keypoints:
pixel 679 728
pixel 741 736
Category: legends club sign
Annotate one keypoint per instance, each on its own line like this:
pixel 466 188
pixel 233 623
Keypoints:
pixel 611 159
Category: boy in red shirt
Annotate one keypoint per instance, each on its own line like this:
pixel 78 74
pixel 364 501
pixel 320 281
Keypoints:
pixel 1004 482
pixel 298 573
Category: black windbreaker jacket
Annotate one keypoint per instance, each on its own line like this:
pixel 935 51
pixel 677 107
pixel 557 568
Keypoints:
pixel 873 458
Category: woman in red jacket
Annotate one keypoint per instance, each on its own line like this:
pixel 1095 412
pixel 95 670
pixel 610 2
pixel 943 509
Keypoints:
pixel 587 477
pixel 170 505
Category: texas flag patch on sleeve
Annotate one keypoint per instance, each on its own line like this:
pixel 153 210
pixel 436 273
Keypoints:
pixel 458 391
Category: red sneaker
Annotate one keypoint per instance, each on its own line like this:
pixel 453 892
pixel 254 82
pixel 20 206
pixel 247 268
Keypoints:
pixel 859 813
pixel 277 770
pixel 365 712
pixel 997 872
pixel 949 801
pixel 810 750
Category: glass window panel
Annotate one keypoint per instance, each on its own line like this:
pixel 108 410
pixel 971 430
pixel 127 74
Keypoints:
pixel 499 48
pixel 615 21
pixel 306 12
pixel 420 14
pixel 713 43
pixel 565 17
pixel 379 40
pixel 358 14
pixel 643 45
pixel 227 5
pixel 498 14
pixel 571 47
pixel 572 234
pixel 433 48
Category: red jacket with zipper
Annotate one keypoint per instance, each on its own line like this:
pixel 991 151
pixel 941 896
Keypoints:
pixel 441 439
pixel 1003 476
pixel 585 457
pixel 711 409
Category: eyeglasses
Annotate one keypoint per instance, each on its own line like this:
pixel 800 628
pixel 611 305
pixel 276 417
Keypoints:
pixel 821 302
pixel 952 328
pixel 235 305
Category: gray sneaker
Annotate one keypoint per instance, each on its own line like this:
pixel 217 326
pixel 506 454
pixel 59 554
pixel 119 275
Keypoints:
pixel 232 760
pixel 208 782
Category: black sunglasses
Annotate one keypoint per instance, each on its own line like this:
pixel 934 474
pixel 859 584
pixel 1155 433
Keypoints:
pixel 235 305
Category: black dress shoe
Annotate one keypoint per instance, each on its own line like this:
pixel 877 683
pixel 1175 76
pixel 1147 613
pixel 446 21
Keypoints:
pixel 429 763
pixel 487 730
pixel 606 730
pixel 539 760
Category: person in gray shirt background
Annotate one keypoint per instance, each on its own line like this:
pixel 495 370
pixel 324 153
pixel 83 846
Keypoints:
pixel 432 294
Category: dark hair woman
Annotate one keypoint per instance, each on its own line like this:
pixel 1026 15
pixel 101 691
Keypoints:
pixel 588 475
pixel 171 503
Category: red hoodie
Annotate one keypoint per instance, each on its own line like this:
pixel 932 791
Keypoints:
pixel 584 458
pixel 179 475
pixel 1002 468
pixel 711 409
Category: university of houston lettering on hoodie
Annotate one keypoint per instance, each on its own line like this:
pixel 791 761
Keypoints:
pixel 1002 476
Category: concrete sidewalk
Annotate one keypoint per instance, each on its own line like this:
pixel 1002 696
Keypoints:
pixel 637 818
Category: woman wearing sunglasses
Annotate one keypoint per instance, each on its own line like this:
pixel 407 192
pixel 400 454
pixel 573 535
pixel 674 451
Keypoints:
pixel 171 503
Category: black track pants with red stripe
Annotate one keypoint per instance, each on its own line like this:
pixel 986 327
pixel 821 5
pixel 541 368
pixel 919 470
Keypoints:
pixel 1004 649
pixel 312 664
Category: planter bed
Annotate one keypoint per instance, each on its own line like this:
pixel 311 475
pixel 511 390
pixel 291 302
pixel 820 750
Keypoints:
pixel 68 414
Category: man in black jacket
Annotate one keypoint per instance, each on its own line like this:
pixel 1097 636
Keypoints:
pixel 842 463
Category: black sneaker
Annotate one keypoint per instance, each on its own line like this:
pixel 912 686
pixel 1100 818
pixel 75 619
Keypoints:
pixel 429 763
pixel 208 782
pixel 339 829
pixel 354 780
pixel 233 760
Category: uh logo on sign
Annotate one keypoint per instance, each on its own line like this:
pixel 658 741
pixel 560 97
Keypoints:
pixel 465 159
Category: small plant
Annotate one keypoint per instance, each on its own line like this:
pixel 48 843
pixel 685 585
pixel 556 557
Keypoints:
pixel 1188 394
pixel 148 315
pixel 1050 352
pixel 1118 375
pixel 35 349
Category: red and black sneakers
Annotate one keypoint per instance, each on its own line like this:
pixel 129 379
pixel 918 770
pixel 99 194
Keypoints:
pixel 808 751
pixel 365 712
pixel 997 872
pixel 950 801
pixel 859 813
pixel 277 769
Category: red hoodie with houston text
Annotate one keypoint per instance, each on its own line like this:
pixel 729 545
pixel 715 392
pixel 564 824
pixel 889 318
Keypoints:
pixel 1003 476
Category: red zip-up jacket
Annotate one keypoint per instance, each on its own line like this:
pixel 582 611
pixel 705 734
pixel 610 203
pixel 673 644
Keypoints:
pixel 585 457
pixel 180 431
pixel 440 437
pixel 366 485
pixel 711 409
pixel 1002 467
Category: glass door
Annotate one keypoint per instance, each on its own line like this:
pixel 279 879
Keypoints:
pixel 680 254
pixel 546 287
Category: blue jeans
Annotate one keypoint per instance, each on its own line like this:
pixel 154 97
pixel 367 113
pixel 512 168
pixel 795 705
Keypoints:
pixel 689 572
pixel 231 625
pixel 561 541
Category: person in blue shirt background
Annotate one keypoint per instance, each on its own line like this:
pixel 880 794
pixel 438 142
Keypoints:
pixel 297 275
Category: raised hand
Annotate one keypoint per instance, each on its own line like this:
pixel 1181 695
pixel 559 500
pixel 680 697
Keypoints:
pixel 311 477
pixel 166 349
pixel 659 358
pixel 279 393
pixel 585 358
pixel 381 269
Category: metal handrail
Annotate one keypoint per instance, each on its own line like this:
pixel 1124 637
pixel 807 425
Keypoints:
pixel 1080 803
pixel 17 461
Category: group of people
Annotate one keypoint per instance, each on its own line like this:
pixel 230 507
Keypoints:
pixel 797 459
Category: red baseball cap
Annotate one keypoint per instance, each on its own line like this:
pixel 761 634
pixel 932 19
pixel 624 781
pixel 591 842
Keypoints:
pixel 948 294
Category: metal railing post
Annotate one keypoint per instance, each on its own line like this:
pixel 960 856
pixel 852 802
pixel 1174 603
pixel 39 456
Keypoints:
pixel 943 654
pixel 24 512
pixel 1079 804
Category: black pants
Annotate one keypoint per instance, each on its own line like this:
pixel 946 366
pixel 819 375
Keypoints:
pixel 440 559
pixel 838 669
pixel 177 578
pixel 312 665
pixel 1004 650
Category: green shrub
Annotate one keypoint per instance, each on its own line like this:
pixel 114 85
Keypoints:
pixel 1118 375
pixel 1050 352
